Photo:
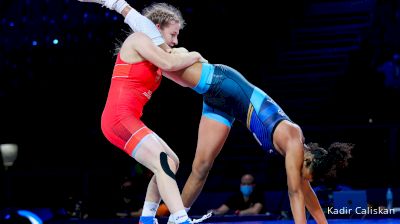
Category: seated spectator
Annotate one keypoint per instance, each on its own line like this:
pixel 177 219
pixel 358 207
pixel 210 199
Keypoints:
pixel 129 204
pixel 74 207
pixel 249 201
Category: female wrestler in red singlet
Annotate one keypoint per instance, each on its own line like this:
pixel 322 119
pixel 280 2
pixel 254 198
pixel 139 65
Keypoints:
pixel 136 76
pixel 131 88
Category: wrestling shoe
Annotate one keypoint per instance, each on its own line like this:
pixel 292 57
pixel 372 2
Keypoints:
pixel 147 220
pixel 189 221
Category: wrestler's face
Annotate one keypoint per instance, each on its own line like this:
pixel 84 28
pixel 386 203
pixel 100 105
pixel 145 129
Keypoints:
pixel 170 33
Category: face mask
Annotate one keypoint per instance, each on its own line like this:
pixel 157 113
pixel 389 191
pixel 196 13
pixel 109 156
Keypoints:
pixel 246 190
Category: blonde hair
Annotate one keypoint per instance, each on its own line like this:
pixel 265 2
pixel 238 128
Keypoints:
pixel 163 14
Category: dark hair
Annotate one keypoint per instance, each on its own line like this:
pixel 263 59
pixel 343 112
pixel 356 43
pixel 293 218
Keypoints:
pixel 326 162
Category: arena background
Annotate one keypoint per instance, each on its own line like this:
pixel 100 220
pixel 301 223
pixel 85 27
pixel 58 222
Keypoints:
pixel 319 60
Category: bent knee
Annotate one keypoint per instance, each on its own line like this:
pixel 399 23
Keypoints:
pixel 166 165
pixel 173 164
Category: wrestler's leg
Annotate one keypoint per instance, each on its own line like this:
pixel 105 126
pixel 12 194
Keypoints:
pixel 152 153
pixel 151 203
pixel 152 193
pixel 211 137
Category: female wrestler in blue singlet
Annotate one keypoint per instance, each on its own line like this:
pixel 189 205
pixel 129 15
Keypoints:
pixel 228 95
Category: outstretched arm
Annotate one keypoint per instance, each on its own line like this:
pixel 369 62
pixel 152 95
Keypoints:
pixel 312 203
pixel 136 21
pixel 293 163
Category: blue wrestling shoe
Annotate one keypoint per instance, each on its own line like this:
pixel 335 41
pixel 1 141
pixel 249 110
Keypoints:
pixel 186 222
pixel 147 220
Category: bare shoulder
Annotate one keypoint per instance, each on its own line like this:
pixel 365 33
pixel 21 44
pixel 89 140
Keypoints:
pixel 131 47
pixel 137 37
pixel 137 41
pixel 290 128
pixel 287 133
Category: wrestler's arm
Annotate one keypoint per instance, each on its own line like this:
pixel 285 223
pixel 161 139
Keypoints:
pixel 141 43
pixel 136 21
pixel 293 163
pixel 139 23
pixel 312 203
pixel 180 50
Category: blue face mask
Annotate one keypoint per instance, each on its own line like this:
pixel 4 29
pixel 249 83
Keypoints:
pixel 246 190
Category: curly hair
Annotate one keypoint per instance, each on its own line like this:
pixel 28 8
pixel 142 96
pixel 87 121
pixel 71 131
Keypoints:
pixel 163 14
pixel 325 163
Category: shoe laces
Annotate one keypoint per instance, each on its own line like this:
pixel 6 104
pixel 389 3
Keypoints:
pixel 204 217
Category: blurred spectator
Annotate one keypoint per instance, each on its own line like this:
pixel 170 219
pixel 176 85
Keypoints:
pixel 391 71
pixel 75 208
pixel 249 201
pixel 129 203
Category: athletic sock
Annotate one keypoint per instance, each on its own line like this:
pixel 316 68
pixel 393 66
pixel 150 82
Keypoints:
pixel 180 216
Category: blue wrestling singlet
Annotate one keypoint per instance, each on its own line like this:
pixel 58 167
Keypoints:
pixel 228 96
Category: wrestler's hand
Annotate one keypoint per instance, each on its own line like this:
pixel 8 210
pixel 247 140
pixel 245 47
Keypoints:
pixel 182 50
pixel 95 1
pixel 117 5
pixel 179 50
pixel 107 3
pixel 203 60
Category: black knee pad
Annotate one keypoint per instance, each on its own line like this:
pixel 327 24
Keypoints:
pixel 165 165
